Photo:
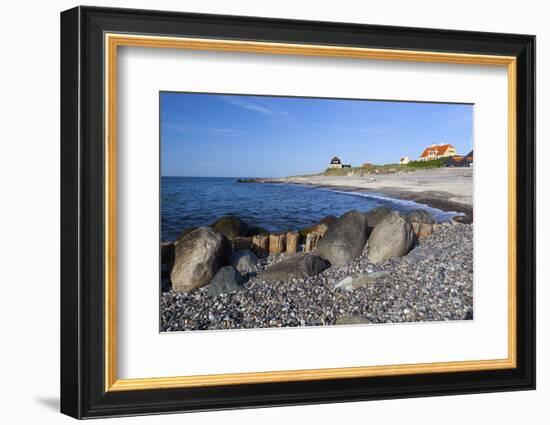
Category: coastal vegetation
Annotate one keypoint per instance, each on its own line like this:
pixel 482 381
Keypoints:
pixel 384 169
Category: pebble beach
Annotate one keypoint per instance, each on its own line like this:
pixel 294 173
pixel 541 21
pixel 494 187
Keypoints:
pixel 432 282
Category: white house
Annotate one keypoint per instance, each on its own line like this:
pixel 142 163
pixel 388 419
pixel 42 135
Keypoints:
pixel 335 163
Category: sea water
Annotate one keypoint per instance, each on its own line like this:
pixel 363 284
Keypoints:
pixel 188 202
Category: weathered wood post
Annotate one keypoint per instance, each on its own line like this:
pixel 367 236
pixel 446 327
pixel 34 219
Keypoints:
pixel 422 230
pixel 292 242
pixel 425 230
pixel 260 243
pixel 415 227
pixel 311 241
pixel 277 243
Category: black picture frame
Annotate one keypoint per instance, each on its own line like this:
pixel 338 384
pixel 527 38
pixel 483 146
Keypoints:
pixel 83 392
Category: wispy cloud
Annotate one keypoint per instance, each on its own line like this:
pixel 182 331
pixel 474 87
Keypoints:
pixel 184 128
pixel 380 131
pixel 258 105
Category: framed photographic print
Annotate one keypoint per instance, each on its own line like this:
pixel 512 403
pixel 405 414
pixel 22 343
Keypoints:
pixel 261 212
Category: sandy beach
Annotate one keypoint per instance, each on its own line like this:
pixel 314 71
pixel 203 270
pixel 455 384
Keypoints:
pixel 444 188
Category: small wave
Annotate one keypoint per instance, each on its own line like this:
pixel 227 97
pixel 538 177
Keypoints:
pixel 405 204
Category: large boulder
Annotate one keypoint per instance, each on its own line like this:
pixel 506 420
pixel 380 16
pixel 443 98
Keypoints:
pixel 298 267
pixel 328 220
pixel 226 280
pixel 376 215
pixel 231 227
pixel 183 233
pixel 392 237
pixel 244 260
pixel 420 216
pixel 198 256
pixel 344 239
pixel 464 219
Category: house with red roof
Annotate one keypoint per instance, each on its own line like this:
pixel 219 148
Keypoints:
pixel 437 151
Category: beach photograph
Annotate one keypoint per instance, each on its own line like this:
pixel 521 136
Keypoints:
pixel 280 211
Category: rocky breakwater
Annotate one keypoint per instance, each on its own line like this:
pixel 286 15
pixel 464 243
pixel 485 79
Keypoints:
pixel 362 267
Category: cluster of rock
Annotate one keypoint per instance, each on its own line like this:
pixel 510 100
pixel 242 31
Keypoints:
pixel 223 256
pixel 433 282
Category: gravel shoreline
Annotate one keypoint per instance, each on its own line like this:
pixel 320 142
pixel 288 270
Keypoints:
pixel 439 288
pixel 439 200
pixel 431 198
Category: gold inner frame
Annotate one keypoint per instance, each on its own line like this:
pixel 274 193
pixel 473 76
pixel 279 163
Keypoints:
pixel 113 41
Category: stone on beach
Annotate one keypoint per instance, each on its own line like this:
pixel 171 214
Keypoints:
pixel 244 260
pixel 183 233
pixel 422 253
pixel 358 280
pixel 227 280
pixel 231 227
pixel 344 240
pixel 376 215
pixel 298 267
pixel 420 216
pixel 392 237
pixel 198 256
pixel 328 220
pixel 464 219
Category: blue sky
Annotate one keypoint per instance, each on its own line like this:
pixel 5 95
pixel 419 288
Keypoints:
pixel 210 135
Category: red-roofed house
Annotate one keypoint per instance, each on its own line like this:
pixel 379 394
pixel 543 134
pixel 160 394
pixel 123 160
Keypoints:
pixel 437 151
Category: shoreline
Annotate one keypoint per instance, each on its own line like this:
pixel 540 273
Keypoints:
pixel 449 190
pixel 430 199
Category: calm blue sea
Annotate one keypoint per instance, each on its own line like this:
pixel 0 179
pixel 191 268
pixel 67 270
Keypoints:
pixel 197 201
